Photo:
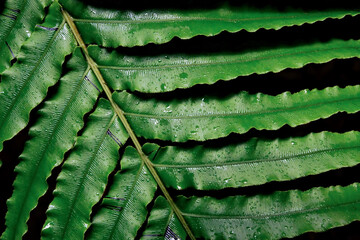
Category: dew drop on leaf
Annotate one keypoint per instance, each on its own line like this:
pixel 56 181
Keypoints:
pixel 183 75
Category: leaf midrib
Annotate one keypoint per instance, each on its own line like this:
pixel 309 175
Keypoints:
pixel 185 19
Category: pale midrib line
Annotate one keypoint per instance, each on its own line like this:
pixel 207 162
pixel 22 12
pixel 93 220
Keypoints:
pixel 207 165
pixel 262 216
pixel 227 62
pixel 76 195
pixel 236 114
pixel 171 214
pixel 186 19
pixel 31 74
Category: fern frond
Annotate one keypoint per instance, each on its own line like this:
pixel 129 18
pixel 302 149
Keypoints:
pixel 18 21
pixel 114 28
pixel 275 216
pixel 91 161
pixel 206 117
pixel 124 210
pixel 25 84
pixel 168 72
pixel 256 161
pixel 51 137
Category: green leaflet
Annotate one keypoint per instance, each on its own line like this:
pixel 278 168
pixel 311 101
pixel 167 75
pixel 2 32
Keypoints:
pixel 18 20
pixel 53 134
pixel 25 84
pixel 113 27
pixel 275 216
pixel 124 209
pixel 91 161
pixel 162 223
pixel 256 161
pixel 206 117
pixel 166 73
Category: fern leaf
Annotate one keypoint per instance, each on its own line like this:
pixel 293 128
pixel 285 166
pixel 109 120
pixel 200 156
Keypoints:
pixel 256 161
pixel 206 117
pixel 25 84
pixel 275 216
pixel 18 21
pixel 53 135
pixel 142 200
pixel 131 28
pixel 93 158
pixel 124 209
pixel 168 72
pixel 162 223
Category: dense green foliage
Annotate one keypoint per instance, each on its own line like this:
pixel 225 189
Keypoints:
pixel 143 117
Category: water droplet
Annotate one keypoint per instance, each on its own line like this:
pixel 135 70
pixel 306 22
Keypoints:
pixel 167 109
pixel 183 75
pixel 227 180
pixel 163 87
pixel 47 226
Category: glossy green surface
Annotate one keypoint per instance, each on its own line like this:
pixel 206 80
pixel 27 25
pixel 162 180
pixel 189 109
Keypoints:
pixel 112 27
pixel 168 72
pixel 54 134
pixel 123 210
pixel 162 223
pixel 25 84
pixel 92 201
pixel 256 161
pixel 207 117
pixel 93 158
pixel 18 21
pixel 274 216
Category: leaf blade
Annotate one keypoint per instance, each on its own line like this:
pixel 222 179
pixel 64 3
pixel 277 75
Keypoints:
pixel 203 118
pixel 124 209
pixel 256 161
pixel 52 135
pixel 275 216
pixel 18 21
pixel 165 73
pixel 93 158
pixel 25 84
pixel 133 28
